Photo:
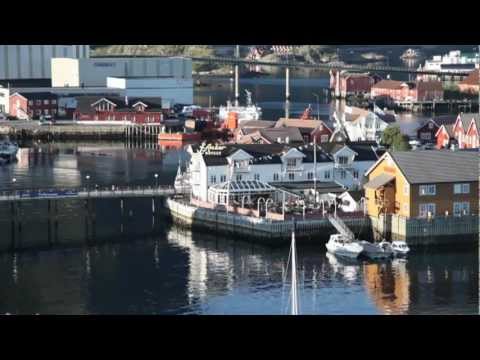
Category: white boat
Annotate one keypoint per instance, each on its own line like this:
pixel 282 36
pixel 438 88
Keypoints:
pixel 341 245
pixel 382 250
pixel 245 113
pixel 8 150
pixel 400 248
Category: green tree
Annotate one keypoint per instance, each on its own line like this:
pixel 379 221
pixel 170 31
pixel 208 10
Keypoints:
pixel 393 138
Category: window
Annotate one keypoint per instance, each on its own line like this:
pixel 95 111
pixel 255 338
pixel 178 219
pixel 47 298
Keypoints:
pixel 53 111
pixel 213 179
pixel 38 102
pixel 223 178
pixel 405 189
pixel 239 177
pixel 291 176
pixel 53 102
pixel 310 175
pixel 291 162
pixel 461 188
pixel 46 112
pixel 343 174
pixel 256 177
pixel 355 174
pixel 429 189
pixel 275 177
pixel 324 138
pixel 343 160
pixel 46 102
pixel 425 209
pixel 30 102
pixel 327 174
pixel 425 136
pixel 461 208
pixel 405 207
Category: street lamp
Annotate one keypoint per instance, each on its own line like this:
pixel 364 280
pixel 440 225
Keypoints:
pixel 318 105
pixel 156 179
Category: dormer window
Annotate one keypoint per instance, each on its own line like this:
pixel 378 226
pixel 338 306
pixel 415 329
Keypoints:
pixel 343 160
pixel 291 162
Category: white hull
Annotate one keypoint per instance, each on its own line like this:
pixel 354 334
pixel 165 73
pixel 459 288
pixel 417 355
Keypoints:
pixel 344 248
pixel 375 251
pixel 245 113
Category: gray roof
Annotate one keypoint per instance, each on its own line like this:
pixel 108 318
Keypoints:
pixel 438 166
pixel 273 134
pixel 378 181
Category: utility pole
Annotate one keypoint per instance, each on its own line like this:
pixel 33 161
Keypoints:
pixel 237 55
pixel 315 168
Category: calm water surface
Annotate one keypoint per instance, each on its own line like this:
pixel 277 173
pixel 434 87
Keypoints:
pixel 149 267
pixel 139 264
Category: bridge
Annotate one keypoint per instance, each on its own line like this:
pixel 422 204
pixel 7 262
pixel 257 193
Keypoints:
pixel 327 66
pixel 87 193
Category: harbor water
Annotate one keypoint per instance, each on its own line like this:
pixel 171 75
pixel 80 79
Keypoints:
pixel 140 265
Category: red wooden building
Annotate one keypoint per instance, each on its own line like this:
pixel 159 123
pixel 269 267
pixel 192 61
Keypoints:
pixel 465 131
pixel 139 111
pixel 345 83
pixel 33 105
pixel 408 91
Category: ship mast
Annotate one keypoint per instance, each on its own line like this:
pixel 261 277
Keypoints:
pixel 294 276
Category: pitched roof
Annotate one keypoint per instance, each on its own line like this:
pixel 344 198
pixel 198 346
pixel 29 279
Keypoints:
pixel 379 180
pixel 445 119
pixel 257 124
pixel 437 166
pixel 299 123
pixel 472 79
pixel 389 84
pixel 365 150
pixel 273 134
pixel 466 119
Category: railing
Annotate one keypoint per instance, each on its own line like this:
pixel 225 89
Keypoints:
pixel 86 192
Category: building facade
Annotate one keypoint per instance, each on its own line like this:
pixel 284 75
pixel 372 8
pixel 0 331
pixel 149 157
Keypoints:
pixel 464 131
pixel 421 184
pixel 114 109
pixel 344 83
pixel 278 164
pixel 407 91
pixel 93 72
pixel 33 105
pixel 33 61
pixel 471 83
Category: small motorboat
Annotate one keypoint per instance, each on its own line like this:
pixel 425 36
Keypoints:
pixel 341 245
pixel 400 248
pixel 382 250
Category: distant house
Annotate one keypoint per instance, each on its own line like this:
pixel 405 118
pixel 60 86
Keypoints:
pixel 408 91
pixel 283 135
pixel 465 131
pixel 308 128
pixel 471 83
pixel 345 83
pixel 351 201
pixel 251 126
pixel 141 111
pixel 364 125
pixel 427 132
pixel 33 105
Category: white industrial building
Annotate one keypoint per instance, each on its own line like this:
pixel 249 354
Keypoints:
pixel 33 61
pixel 93 72
pixel 172 90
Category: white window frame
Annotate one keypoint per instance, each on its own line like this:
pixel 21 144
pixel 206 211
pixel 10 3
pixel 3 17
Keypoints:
pixel 223 178
pixel 291 176
pixel 343 174
pixel 310 175
pixel 213 179
pixel 355 174
pixel 461 188
pixel 256 177
pixel 239 177
pixel 327 174
pixel 428 190
pixel 275 177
